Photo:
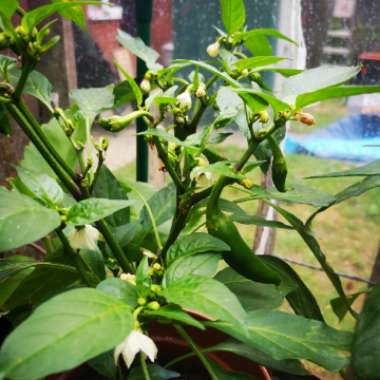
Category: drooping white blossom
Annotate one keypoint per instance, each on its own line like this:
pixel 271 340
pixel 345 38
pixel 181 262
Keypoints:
pixel 84 238
pixel 134 343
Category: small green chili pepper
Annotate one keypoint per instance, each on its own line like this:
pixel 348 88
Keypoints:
pixel 240 257
pixel 279 167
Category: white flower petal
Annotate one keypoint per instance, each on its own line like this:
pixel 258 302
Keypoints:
pixel 148 347
pixel 117 352
pixel 84 238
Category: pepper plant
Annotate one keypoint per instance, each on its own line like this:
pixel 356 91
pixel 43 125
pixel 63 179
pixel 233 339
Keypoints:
pixel 119 257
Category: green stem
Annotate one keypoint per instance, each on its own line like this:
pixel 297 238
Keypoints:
pixel 24 109
pixel 181 331
pixel 76 258
pixel 144 366
pixel 35 139
pixel 168 166
pixel 115 247
pixel 26 70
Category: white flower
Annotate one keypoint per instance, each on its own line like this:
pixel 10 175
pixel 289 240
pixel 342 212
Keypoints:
pixel 145 85
pixel 184 100
pixel 213 49
pixel 84 238
pixel 135 342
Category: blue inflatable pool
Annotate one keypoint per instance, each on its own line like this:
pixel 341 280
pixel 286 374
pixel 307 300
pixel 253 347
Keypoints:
pixel 353 138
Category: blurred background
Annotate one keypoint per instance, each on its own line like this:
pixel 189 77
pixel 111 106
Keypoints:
pixel 342 32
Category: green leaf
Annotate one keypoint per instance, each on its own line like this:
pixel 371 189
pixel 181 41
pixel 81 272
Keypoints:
pixel 199 242
pixel 18 216
pixel 314 247
pixel 162 205
pixel 13 271
pixel 316 79
pixel 341 308
pixel 92 101
pixel 39 86
pixel 257 61
pixel 42 186
pixel 8 8
pixel 233 15
pixel 267 32
pixel 170 313
pixel 137 47
pixel 365 350
pixel 204 264
pixel 95 263
pixel 211 69
pixel 5 125
pixel 373 168
pixel 122 290
pixel 76 15
pixel 35 16
pixel 143 281
pixel 228 102
pixel 221 168
pixel 296 194
pixel 138 95
pixel 45 281
pixel 35 163
pixel 279 70
pixel 277 104
pixel 258 45
pixel 252 295
pixel 93 209
pixel 155 371
pixel 205 296
pixel 107 186
pixel 333 92
pixel 284 336
pixel 289 366
pixel 123 94
pixel 300 298
pixel 59 335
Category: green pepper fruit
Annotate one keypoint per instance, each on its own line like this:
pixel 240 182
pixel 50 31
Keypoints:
pixel 240 257
pixel 279 167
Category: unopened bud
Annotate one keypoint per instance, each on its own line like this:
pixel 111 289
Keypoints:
pixel 145 85
pixel 305 118
pixel 155 288
pixel 213 49
pixel 201 91
pixel 245 72
pixel 141 301
pixel 128 277
pixel 264 117
pixel 157 267
pixel 154 305
pixel 247 183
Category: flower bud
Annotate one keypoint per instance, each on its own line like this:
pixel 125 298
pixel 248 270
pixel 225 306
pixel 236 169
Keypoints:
pixel 201 91
pixel 157 267
pixel 128 277
pixel 264 117
pixel 184 100
pixel 155 288
pixel 245 72
pixel 154 305
pixel 145 85
pixel 305 118
pixel 141 301
pixel 213 49
pixel 247 183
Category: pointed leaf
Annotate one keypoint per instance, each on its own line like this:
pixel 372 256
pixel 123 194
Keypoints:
pixel 284 336
pixel 18 216
pixel 39 86
pixel 93 209
pixel 253 62
pixel 120 289
pixel 206 296
pixel 59 335
pixel 233 15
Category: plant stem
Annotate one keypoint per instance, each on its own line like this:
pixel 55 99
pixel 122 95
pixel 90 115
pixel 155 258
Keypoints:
pixel 181 331
pixel 115 246
pixel 144 366
pixel 76 258
pixel 26 70
pixel 24 109
pixel 31 133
